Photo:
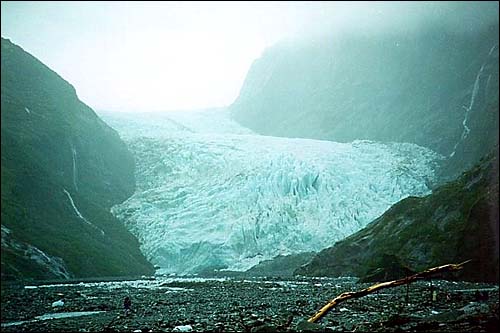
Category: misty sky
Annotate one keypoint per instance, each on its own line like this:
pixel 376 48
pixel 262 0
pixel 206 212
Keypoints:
pixel 150 56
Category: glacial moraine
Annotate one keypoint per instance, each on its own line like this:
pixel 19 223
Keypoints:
pixel 249 304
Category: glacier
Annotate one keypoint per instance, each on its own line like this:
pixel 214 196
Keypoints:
pixel 214 195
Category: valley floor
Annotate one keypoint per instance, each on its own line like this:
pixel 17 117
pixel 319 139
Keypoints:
pixel 249 305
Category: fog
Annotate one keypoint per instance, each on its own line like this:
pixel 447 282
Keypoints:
pixel 246 160
pixel 151 56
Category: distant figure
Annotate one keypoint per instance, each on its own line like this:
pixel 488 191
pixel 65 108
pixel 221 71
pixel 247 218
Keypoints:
pixel 481 296
pixel 126 305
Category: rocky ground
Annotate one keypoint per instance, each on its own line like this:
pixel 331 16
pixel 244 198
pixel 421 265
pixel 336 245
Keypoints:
pixel 250 305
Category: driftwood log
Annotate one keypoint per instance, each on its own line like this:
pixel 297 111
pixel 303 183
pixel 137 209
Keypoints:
pixel 383 285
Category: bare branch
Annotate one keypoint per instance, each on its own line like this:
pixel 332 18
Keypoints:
pixel 383 285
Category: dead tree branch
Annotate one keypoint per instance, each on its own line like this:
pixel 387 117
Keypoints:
pixel 389 284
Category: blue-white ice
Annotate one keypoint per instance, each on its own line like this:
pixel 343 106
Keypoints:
pixel 212 193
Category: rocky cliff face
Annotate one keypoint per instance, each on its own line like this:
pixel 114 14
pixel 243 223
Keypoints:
pixel 457 222
pixel 436 87
pixel 62 170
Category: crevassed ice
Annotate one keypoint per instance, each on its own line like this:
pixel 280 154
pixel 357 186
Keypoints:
pixel 210 198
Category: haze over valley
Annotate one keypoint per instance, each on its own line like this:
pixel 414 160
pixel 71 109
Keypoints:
pixel 202 147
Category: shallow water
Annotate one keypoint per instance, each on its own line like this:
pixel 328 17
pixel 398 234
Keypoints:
pixel 49 316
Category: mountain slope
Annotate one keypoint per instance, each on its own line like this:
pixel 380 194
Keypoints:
pixel 434 87
pixel 62 170
pixel 457 222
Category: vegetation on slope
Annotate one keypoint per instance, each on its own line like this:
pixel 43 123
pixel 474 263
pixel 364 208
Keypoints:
pixel 56 149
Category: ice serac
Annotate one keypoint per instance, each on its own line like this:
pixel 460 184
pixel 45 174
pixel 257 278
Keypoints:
pixel 456 223
pixel 207 198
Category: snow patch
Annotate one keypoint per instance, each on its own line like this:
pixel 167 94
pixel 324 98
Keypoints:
pixel 183 328
pixel 58 303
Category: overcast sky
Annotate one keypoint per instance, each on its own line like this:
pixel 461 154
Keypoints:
pixel 149 56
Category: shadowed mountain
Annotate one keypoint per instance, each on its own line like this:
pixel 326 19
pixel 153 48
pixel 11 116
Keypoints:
pixel 435 87
pixel 62 170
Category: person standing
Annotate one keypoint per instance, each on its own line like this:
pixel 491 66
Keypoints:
pixel 127 302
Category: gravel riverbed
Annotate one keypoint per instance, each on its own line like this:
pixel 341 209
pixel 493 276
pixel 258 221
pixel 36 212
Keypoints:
pixel 163 304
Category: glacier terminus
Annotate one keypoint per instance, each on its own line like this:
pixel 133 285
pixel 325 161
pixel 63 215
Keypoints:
pixel 212 194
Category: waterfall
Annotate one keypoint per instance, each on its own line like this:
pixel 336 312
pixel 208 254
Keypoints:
pixel 492 49
pixel 475 90
pixel 78 212
pixel 75 170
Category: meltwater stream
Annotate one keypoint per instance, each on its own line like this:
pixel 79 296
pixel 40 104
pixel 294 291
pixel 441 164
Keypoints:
pixel 212 194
